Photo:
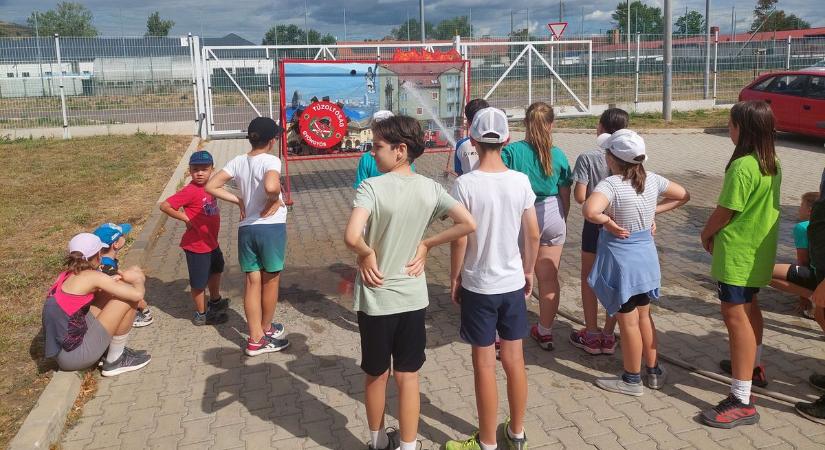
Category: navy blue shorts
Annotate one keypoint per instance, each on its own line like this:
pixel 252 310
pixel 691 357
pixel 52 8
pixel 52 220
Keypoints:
pixel 202 265
pixel 482 315
pixel 590 237
pixel 738 295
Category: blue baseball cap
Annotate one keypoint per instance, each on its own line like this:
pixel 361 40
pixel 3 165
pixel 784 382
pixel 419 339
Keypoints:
pixel 201 157
pixel 109 233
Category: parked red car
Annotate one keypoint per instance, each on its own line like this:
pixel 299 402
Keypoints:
pixel 797 98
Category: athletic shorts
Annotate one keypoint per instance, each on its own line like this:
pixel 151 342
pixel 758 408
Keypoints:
pixel 202 265
pixel 738 295
pixel 590 237
pixel 484 314
pixel 803 276
pixel 262 247
pixel 88 353
pixel 552 227
pixel 397 338
pixel 635 301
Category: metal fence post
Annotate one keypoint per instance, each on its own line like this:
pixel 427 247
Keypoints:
pixel 638 54
pixel 552 65
pixel 200 88
pixel 66 133
pixel 788 55
pixel 269 86
pixel 715 62
pixel 190 42
pixel 707 50
pixel 530 76
pixel 667 76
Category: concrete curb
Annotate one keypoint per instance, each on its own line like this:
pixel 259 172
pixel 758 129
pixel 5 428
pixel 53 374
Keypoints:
pixel 45 422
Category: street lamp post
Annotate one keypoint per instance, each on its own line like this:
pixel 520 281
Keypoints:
pixel 667 88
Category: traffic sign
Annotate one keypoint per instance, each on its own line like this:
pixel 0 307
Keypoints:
pixel 557 28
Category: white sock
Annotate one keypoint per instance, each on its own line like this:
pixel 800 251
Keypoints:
pixel 758 361
pixel 408 445
pixel 515 435
pixel 741 390
pixel 487 446
pixel 379 439
pixel 116 347
pixel 545 331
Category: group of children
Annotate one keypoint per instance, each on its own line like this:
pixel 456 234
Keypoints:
pixel 509 209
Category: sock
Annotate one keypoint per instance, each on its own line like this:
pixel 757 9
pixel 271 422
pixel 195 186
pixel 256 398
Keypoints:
pixel 215 300
pixel 408 445
pixel 654 370
pixel 116 347
pixel 741 390
pixel 487 446
pixel 632 378
pixel 758 361
pixel 379 439
pixel 545 331
pixel 515 435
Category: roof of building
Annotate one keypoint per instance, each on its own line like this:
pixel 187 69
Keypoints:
pixel 739 37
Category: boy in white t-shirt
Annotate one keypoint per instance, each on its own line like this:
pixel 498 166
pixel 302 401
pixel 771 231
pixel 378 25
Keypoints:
pixel 491 278
pixel 261 232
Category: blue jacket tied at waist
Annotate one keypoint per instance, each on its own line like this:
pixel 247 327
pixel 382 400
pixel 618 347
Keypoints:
pixel 624 268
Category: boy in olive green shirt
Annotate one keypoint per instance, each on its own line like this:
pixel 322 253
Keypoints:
pixel 386 228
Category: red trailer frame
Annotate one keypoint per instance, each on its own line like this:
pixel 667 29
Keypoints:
pixel 284 154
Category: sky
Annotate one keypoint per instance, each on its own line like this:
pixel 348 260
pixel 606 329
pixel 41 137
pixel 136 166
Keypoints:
pixel 375 18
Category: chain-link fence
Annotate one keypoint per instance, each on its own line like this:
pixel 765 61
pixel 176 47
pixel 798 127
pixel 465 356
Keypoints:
pixel 135 80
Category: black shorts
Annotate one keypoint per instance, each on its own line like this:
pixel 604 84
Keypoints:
pixel 484 314
pixel 202 265
pixel 400 338
pixel 590 237
pixel 802 276
pixel 635 301
pixel 738 295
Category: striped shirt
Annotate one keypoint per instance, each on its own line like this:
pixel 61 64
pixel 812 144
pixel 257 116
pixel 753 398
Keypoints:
pixel 631 211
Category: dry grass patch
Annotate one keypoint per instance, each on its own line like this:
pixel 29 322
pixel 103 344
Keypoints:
pixel 715 118
pixel 53 189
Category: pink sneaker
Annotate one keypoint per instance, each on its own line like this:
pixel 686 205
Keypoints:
pixel 608 344
pixel 591 345
pixel 545 342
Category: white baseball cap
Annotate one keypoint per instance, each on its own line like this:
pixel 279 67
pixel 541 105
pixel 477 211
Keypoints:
pixel 381 115
pixel 490 121
pixel 87 244
pixel 624 144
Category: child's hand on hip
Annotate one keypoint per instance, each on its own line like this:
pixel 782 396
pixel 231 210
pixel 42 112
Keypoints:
pixel 368 267
pixel 616 230
pixel 416 266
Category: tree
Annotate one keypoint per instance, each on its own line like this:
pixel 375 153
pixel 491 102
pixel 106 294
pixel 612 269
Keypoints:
pixel 412 29
pixel 68 19
pixel 293 35
pixel 643 18
pixel 155 26
pixel 447 29
pixel 691 23
pixel 769 18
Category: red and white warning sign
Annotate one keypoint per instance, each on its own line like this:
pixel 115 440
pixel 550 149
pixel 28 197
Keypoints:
pixel 557 28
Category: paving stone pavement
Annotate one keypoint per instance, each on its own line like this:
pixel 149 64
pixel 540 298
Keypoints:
pixel 200 391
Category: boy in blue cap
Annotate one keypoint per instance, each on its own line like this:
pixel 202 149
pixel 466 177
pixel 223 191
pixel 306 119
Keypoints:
pixel 114 237
pixel 200 240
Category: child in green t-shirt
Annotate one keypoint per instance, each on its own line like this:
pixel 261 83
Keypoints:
pixel 741 234
pixel 386 230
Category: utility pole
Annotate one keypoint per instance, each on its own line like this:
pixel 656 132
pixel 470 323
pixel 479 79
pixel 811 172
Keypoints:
pixel 470 23
pixel 306 27
pixel 733 24
pixel 345 24
pixel 581 25
pixel 511 23
pixel 423 28
pixel 627 30
pixel 707 50
pixel 667 78
pixel 528 24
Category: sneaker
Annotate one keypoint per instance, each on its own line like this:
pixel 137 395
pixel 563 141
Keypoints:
pixel 814 411
pixel 619 386
pixel 129 360
pixel 276 330
pixel 210 317
pixel 817 381
pixel 592 345
pixel 265 345
pixel 511 442
pixel 730 413
pixel 125 350
pixel 653 380
pixel 471 443
pixel 609 344
pixel 809 313
pixel 759 377
pixel 545 342
pixel 218 305
pixel 142 318
pixel 394 440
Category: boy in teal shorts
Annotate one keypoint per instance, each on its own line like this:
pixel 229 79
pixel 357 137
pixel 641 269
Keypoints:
pixel 261 232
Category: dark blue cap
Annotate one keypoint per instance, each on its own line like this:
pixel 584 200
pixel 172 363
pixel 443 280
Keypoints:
pixel 201 157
